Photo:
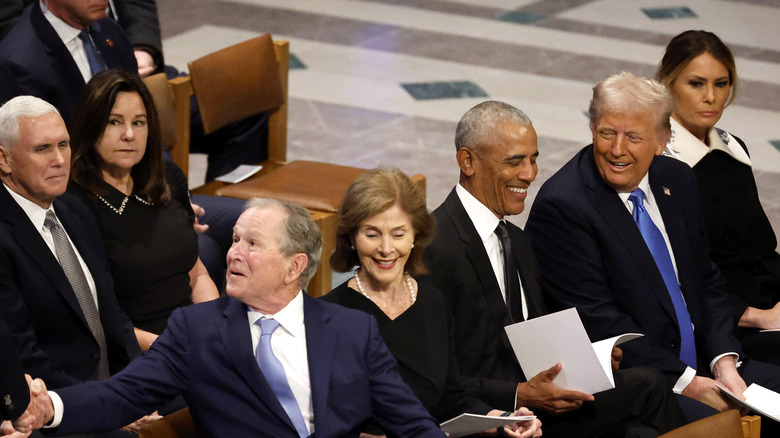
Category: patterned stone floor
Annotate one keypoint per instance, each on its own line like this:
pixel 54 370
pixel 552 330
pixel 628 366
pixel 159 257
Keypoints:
pixel 383 82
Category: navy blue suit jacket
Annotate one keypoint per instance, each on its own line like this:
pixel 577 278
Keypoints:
pixel 593 257
pixel 40 307
pixel 14 394
pixel 206 355
pixel 43 65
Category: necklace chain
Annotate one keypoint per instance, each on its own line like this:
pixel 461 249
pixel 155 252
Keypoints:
pixel 121 208
pixel 407 279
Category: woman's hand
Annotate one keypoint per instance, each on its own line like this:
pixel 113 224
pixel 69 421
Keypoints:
pixel 145 339
pixel 522 429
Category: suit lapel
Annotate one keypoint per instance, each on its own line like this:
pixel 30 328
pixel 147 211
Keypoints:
pixel 237 341
pixel 321 350
pixel 31 242
pixel 616 215
pixel 68 70
pixel 479 260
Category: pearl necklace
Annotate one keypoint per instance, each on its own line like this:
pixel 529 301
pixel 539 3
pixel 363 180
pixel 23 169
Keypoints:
pixel 121 208
pixel 407 278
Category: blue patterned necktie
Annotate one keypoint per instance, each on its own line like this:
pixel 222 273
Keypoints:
pixel 657 246
pixel 273 371
pixel 96 64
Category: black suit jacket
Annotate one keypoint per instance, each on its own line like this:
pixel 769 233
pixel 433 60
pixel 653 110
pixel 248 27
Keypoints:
pixel 40 306
pixel 593 257
pixel 459 267
pixel 43 65
pixel 206 354
pixel 14 394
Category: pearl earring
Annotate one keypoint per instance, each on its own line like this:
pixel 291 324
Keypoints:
pixel 352 247
pixel 413 245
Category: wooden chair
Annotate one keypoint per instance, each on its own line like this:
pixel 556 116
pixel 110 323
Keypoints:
pixel 751 426
pixel 176 425
pixel 222 98
pixel 724 425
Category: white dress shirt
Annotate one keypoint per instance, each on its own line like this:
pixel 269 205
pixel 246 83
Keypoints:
pixel 655 214
pixel 288 343
pixel 486 222
pixel 70 37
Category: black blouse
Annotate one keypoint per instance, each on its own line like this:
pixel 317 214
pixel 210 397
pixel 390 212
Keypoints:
pixel 150 248
pixel 421 339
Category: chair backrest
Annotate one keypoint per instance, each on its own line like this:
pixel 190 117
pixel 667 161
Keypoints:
pixel 172 99
pixel 242 80
pixel 175 425
pixel 724 425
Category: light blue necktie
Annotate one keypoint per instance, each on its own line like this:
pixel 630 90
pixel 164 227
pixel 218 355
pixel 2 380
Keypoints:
pixel 273 371
pixel 657 246
pixel 96 64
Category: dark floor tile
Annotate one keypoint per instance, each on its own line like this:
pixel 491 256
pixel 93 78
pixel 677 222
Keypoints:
pixel 520 17
pixel 444 90
pixel 669 13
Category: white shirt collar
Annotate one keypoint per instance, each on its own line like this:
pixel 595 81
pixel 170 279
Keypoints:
pixel 645 186
pixel 483 219
pixel 35 212
pixel 290 318
pixel 65 31
pixel 687 148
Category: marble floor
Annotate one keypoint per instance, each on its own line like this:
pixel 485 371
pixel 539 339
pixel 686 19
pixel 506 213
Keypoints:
pixel 384 82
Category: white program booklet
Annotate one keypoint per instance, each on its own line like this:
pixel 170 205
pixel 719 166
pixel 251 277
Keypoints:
pixel 758 399
pixel 542 342
pixel 239 174
pixel 469 424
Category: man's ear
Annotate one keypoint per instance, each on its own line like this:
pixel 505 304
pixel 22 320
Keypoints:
pixel 466 158
pixel 5 165
pixel 298 263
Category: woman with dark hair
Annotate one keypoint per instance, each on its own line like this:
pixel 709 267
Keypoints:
pixel 140 200
pixel 699 71
pixel 384 228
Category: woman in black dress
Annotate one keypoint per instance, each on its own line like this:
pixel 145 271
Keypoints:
pixel 140 200
pixel 384 228
pixel 699 71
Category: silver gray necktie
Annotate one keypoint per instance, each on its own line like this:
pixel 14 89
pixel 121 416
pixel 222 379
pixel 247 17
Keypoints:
pixel 78 281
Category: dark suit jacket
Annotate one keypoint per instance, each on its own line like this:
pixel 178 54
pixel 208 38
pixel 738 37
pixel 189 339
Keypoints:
pixel 460 268
pixel 44 67
pixel 206 354
pixel 592 256
pixel 14 394
pixel 40 306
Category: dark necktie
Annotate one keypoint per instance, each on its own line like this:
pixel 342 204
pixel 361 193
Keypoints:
pixel 511 281
pixel 274 373
pixel 78 281
pixel 96 64
pixel 657 246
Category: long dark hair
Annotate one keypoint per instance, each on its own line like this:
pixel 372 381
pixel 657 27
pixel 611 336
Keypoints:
pixel 89 123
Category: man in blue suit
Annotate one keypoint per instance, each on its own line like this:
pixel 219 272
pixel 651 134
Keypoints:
pixel 619 235
pixel 331 371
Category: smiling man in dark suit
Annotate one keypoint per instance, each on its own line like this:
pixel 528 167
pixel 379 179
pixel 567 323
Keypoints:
pixel 497 152
pixel 332 370
pixel 619 235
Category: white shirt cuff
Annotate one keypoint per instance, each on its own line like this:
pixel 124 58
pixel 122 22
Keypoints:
pixel 684 380
pixel 58 408
pixel 736 359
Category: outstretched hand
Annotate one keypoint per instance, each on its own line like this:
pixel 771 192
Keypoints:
pixel 540 392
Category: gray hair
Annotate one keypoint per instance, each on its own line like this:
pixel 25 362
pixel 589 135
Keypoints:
pixel 479 123
pixel 16 108
pixel 301 234
pixel 627 93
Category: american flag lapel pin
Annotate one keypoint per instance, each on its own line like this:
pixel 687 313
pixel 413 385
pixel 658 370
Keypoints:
pixel 667 192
